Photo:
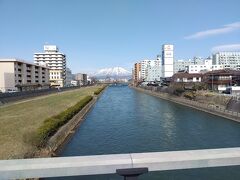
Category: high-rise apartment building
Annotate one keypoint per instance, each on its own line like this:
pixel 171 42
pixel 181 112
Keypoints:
pixel 56 62
pixel 230 60
pixel 167 60
pixel 19 75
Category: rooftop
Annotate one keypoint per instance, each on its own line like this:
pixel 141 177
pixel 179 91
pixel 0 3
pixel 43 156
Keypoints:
pixel 21 61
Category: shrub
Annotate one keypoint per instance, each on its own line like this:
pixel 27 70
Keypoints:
pixel 190 95
pixel 178 91
pixel 52 124
pixel 99 90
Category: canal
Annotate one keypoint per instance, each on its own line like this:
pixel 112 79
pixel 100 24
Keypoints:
pixel 126 121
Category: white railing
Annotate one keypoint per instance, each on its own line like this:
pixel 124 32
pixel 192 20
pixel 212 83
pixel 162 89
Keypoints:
pixel 108 164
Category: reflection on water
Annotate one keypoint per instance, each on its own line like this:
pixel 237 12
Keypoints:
pixel 124 121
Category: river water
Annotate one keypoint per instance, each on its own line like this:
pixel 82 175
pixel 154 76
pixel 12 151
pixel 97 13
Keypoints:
pixel 127 121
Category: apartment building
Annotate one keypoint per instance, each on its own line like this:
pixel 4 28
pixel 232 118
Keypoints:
pixel 56 62
pixel 137 73
pixel 230 60
pixel 19 75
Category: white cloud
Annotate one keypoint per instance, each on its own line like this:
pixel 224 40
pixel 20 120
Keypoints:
pixel 226 47
pixel 211 32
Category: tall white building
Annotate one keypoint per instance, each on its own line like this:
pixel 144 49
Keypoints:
pixel 229 60
pixel 153 73
pixel 150 70
pixel 56 61
pixel 167 60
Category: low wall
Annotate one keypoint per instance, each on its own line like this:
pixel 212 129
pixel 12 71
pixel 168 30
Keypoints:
pixel 235 116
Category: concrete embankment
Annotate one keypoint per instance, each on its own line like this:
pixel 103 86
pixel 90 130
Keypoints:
pixel 218 111
pixel 63 135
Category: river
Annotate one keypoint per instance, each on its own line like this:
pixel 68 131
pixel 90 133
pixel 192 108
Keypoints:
pixel 127 121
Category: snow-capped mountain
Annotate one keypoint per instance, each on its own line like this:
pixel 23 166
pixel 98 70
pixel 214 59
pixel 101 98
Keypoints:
pixel 112 72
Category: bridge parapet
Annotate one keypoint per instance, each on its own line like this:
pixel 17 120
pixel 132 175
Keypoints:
pixel 108 164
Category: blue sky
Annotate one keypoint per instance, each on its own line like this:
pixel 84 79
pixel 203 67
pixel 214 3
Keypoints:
pixel 105 33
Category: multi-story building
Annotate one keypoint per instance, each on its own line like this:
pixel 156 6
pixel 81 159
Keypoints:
pixel 182 65
pixel 153 73
pixel 230 60
pixel 204 68
pixel 69 77
pixel 220 80
pixel 150 68
pixel 56 62
pixel 18 75
pixel 81 78
pixel 167 60
pixel 137 73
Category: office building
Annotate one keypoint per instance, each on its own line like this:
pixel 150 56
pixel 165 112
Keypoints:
pixel 150 69
pixel 56 62
pixel 230 60
pixel 167 60
pixel 69 77
pixel 18 75
pixel 182 65
pixel 153 73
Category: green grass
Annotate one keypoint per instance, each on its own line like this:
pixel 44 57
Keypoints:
pixel 22 117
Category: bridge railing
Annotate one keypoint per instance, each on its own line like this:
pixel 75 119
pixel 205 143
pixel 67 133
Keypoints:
pixel 120 163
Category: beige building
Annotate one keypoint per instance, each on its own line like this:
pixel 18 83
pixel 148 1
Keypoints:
pixel 81 78
pixel 56 62
pixel 18 75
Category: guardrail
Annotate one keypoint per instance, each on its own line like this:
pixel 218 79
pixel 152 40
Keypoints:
pixel 127 165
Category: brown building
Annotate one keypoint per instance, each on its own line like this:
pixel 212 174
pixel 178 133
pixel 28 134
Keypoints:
pixel 186 77
pixel 137 74
pixel 219 80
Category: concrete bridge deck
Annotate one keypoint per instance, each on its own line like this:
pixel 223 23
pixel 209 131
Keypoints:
pixel 108 164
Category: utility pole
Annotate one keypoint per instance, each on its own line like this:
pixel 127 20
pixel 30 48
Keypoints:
pixel 212 81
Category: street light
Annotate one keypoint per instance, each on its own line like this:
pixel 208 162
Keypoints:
pixel 230 84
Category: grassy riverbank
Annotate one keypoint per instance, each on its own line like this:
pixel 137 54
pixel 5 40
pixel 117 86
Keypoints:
pixel 19 118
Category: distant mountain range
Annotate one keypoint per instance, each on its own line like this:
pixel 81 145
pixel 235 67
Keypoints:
pixel 114 72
